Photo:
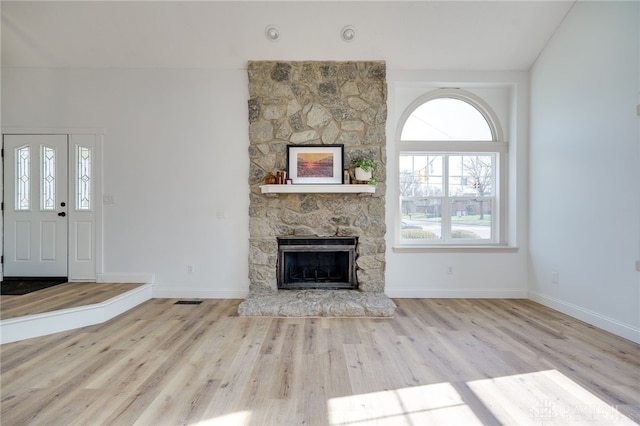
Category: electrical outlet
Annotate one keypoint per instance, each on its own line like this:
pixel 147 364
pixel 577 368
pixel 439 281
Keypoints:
pixel 449 270
pixel 555 277
pixel 189 269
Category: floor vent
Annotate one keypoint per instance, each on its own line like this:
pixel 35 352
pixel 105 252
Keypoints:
pixel 188 302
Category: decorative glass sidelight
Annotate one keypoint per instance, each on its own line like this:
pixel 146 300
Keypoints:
pixel 48 179
pixel 23 178
pixel 83 178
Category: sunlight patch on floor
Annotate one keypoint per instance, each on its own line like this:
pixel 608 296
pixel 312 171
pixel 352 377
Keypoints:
pixel 430 404
pixel 544 397
pixel 538 398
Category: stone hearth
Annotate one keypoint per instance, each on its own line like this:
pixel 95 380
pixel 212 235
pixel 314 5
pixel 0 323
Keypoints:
pixel 318 303
pixel 328 103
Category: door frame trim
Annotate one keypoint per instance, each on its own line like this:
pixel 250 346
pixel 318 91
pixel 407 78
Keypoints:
pixel 99 134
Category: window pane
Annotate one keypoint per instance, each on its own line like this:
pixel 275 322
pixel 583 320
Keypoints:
pixel 83 181
pixel 472 175
pixel 421 175
pixel 421 219
pixel 446 119
pixel 48 179
pixel 23 178
pixel 471 219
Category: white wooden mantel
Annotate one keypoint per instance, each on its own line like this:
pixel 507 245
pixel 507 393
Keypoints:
pixel 317 189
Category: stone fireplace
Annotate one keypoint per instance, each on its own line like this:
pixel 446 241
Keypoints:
pixel 327 103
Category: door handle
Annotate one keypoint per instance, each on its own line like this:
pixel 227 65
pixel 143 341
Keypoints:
pixel 62 214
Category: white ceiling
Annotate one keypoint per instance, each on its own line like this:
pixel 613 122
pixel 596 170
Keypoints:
pixel 431 35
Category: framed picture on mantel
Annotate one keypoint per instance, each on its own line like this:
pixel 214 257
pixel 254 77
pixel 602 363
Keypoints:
pixel 315 164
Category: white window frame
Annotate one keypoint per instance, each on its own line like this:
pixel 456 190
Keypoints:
pixel 498 146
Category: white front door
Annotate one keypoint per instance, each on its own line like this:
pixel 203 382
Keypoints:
pixel 35 205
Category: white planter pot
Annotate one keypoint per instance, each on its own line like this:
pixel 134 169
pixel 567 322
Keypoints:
pixel 362 175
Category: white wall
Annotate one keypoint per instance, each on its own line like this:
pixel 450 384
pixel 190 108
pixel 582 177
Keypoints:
pixel 585 165
pixel 175 162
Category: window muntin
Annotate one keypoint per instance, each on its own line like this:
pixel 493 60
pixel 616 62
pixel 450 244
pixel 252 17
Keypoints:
pixel 449 173
pixel 23 178
pixel 83 178
pixel 471 174
pixel 48 178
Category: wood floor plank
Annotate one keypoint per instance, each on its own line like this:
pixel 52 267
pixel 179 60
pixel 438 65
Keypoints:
pixel 185 339
pixel 26 373
pixel 287 365
pixel 275 337
pixel 311 408
pixel 181 407
pixel 72 393
pixel 239 373
pixel 438 361
pixel 334 367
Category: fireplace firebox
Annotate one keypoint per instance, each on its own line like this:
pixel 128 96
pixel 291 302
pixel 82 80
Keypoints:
pixel 316 263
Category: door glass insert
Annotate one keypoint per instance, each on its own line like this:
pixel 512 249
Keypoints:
pixel 48 179
pixel 83 178
pixel 23 178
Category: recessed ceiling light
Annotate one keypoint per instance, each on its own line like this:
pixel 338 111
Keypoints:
pixel 348 33
pixel 272 32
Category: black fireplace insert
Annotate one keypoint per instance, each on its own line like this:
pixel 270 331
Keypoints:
pixel 316 263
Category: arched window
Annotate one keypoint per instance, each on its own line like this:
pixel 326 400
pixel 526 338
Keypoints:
pixel 451 159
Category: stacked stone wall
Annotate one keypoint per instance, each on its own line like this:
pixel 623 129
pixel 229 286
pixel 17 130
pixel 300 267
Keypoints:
pixel 325 103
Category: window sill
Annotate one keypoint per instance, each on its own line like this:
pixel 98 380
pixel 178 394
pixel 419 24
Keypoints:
pixel 454 249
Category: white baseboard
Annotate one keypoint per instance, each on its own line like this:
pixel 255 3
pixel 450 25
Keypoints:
pixel 12 330
pixel 601 321
pixel 234 293
pixel 456 294
pixel 125 278
pixel 196 293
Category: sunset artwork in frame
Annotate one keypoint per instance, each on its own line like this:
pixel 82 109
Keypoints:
pixel 315 164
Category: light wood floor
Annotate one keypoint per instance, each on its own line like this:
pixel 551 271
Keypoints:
pixel 63 296
pixel 507 362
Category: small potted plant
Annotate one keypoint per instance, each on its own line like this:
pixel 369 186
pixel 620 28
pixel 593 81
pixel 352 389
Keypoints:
pixel 366 169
